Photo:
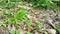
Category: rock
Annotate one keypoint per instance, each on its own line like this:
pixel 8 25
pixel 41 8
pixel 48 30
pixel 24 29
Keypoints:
pixel 52 31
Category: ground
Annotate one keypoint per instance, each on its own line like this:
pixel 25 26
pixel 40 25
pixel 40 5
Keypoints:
pixel 41 21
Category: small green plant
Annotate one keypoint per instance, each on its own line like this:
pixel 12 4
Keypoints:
pixel 13 32
pixel 40 26
pixel 28 32
pixel 58 28
pixel 8 3
pixel 20 14
pixel 27 23
pixel 15 18
pixel 16 31
pixel 42 4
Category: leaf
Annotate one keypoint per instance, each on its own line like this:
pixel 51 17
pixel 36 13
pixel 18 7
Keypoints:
pixel 18 31
pixel 28 32
pixel 16 22
pixel 21 14
pixel 13 31
pixel 58 28
pixel 27 23
pixel 40 25
pixel 19 11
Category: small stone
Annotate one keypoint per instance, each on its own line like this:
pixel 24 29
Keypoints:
pixel 52 31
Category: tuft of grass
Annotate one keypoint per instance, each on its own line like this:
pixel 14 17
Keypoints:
pixel 13 32
pixel 27 23
pixel 8 3
pixel 28 32
pixel 16 31
pixel 40 26
pixel 58 28
pixel 44 4
pixel 13 19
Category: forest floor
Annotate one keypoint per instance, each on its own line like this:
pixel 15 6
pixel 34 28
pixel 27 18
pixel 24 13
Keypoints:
pixel 42 22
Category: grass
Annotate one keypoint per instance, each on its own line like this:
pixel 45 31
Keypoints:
pixel 58 28
pixel 8 4
pixel 14 18
pixel 16 31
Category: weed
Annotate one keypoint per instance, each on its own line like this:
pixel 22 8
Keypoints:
pixel 28 32
pixel 13 31
pixel 7 3
pixel 43 4
pixel 58 28
pixel 16 31
pixel 27 23
pixel 13 19
pixel 40 26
